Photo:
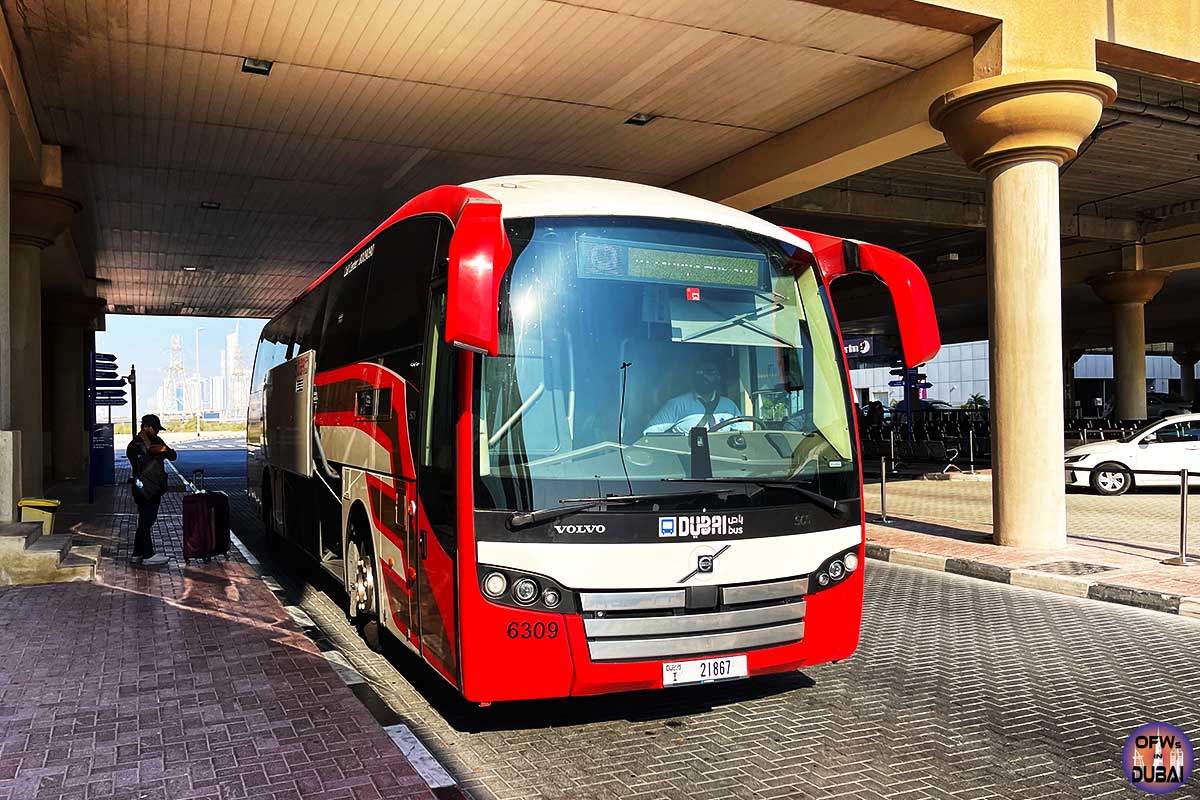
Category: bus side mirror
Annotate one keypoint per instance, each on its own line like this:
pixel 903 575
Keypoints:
pixel 479 254
pixel 919 336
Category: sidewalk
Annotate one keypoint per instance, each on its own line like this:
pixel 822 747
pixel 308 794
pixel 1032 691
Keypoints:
pixel 1130 573
pixel 181 682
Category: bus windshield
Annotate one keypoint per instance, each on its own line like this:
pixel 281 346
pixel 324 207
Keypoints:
pixel 638 354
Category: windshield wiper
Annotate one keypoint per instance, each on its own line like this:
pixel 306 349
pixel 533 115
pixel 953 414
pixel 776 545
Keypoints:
pixel 825 502
pixel 523 519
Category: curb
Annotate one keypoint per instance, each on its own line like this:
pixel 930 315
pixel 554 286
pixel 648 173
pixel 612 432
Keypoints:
pixel 436 777
pixel 1180 605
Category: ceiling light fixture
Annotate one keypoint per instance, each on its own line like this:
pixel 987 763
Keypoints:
pixel 189 268
pixel 210 205
pixel 257 66
pixel 640 118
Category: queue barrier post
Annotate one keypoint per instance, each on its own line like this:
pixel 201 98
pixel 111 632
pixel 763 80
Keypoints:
pixel 883 491
pixel 1181 560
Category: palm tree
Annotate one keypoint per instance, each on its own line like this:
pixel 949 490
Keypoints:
pixel 976 401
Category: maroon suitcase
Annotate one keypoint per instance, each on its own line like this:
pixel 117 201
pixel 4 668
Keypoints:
pixel 205 524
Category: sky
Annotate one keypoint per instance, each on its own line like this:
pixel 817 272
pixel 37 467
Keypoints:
pixel 145 341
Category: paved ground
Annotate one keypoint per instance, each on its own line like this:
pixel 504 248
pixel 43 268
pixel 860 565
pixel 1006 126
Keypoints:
pixel 172 683
pixel 1146 516
pixel 961 689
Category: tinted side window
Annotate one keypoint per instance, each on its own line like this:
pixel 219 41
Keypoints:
pixel 343 312
pixel 398 295
pixel 306 317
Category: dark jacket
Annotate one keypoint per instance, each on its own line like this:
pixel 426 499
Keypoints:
pixel 149 466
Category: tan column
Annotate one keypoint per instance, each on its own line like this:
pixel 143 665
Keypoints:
pixel 1071 357
pixel 1127 293
pixel 70 335
pixel 38 215
pixel 1187 373
pixel 10 439
pixel 26 312
pixel 1018 130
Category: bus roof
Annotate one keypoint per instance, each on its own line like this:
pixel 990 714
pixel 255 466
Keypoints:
pixel 572 196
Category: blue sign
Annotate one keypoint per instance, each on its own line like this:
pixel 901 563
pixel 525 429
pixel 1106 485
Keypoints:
pixel 895 383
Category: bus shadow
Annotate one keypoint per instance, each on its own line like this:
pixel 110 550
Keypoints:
pixel 669 705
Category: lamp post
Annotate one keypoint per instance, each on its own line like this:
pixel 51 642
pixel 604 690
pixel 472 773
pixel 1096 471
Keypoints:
pixel 199 393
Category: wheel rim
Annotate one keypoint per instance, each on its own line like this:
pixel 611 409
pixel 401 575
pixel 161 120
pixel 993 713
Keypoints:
pixel 1111 481
pixel 363 593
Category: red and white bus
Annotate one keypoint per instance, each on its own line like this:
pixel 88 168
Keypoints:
pixel 565 436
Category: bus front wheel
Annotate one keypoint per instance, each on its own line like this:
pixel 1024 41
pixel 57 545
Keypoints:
pixel 362 584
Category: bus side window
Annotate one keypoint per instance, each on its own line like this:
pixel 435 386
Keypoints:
pixel 344 312
pixel 306 316
pixel 394 313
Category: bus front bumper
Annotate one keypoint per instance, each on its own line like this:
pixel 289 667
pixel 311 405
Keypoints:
pixel 516 666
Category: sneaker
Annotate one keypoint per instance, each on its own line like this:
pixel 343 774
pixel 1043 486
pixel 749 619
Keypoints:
pixel 156 560
pixel 135 560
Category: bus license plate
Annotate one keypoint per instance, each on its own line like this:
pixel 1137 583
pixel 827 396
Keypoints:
pixel 679 673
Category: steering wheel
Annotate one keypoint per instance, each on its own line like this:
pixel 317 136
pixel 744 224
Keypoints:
pixel 761 423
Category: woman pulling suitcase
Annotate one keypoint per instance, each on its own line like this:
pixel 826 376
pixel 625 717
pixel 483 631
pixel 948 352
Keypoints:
pixel 148 483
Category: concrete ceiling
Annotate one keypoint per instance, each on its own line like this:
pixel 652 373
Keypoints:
pixel 1129 180
pixel 370 102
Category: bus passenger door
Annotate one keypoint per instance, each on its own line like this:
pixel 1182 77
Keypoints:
pixel 435 529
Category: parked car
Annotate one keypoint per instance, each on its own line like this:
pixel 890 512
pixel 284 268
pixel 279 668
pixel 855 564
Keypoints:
pixel 1159 405
pixel 924 405
pixel 1167 445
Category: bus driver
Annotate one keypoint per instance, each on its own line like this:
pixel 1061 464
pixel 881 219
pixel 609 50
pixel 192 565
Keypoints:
pixel 702 407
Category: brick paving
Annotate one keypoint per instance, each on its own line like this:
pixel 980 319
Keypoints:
pixel 172 683
pixel 960 689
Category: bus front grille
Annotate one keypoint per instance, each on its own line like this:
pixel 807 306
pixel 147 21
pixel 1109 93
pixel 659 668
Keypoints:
pixel 625 626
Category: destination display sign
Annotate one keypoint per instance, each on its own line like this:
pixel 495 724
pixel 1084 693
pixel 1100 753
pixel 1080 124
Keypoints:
pixel 615 259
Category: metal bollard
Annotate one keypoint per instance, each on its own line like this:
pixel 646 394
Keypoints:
pixel 971 450
pixel 1181 560
pixel 883 490
pixel 892 444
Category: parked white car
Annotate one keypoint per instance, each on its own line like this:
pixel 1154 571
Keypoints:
pixel 1168 444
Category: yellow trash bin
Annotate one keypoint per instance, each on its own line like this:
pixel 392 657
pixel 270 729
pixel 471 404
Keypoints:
pixel 39 509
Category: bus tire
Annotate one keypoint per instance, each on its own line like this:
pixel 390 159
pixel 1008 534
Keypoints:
pixel 1111 479
pixel 363 582
pixel 268 510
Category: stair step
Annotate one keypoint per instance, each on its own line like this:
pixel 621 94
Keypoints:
pixel 19 535
pixel 59 543
pixel 80 564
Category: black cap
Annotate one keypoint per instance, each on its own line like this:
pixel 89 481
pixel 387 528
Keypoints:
pixel 153 421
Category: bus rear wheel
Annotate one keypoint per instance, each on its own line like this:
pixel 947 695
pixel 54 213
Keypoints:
pixel 362 584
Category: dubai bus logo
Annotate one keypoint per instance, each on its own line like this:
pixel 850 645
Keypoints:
pixel 698 525
pixel 1158 758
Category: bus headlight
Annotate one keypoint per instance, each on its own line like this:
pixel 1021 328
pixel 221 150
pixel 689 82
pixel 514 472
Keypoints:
pixel 823 579
pixel 551 598
pixel 525 591
pixel 836 570
pixel 494 584
pixel 851 562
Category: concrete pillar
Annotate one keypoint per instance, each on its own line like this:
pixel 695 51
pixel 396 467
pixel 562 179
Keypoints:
pixel 26 344
pixel 1071 356
pixel 1127 292
pixel 10 439
pixel 71 337
pixel 37 216
pixel 1186 359
pixel 1018 130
